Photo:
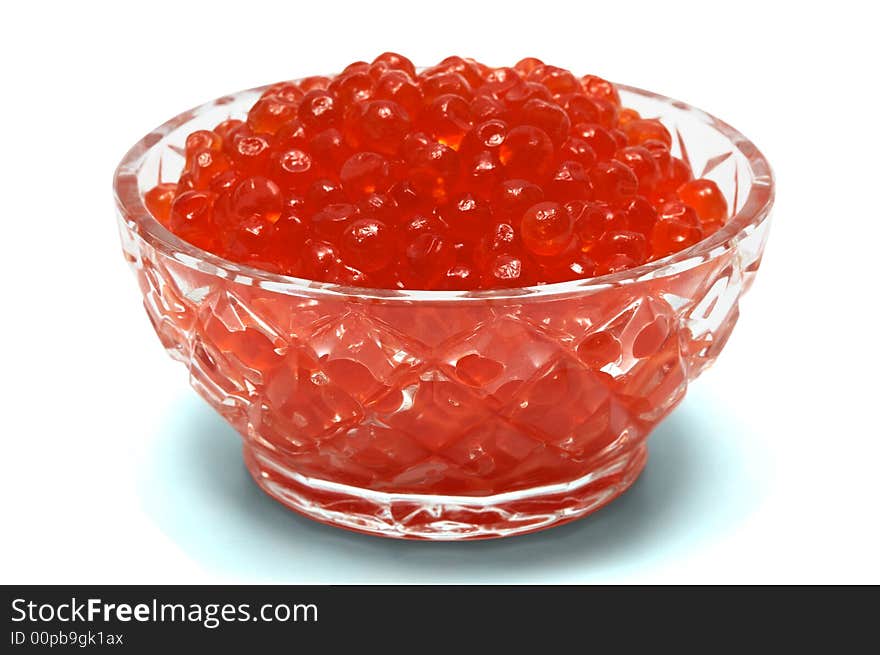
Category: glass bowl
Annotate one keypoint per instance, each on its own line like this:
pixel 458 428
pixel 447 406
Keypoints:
pixel 442 414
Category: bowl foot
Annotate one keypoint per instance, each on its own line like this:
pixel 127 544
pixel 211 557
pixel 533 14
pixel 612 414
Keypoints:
pixel 445 518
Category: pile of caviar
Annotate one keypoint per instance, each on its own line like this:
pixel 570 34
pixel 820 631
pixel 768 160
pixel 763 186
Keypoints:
pixel 457 177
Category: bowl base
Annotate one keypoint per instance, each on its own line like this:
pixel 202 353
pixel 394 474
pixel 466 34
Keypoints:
pixel 445 518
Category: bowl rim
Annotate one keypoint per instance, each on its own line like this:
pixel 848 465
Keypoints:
pixel 132 209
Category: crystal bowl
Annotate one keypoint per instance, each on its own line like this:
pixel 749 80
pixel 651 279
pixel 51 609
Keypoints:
pixel 447 415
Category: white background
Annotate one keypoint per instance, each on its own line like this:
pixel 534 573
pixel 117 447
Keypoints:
pixel 113 470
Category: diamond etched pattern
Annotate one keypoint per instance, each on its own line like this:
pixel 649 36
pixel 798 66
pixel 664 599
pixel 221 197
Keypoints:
pixel 337 392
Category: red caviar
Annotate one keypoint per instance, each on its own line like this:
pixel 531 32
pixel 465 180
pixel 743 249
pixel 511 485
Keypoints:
pixel 460 176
